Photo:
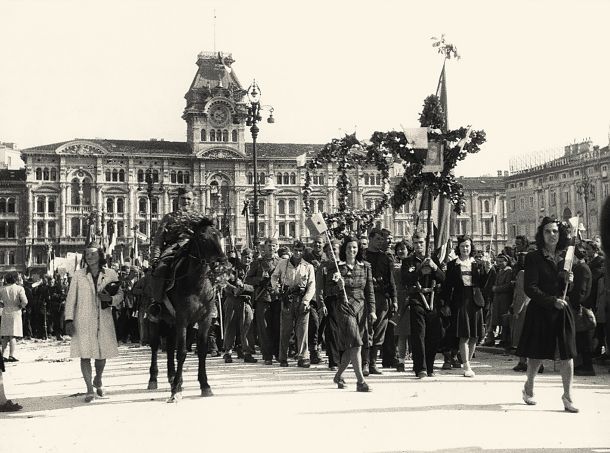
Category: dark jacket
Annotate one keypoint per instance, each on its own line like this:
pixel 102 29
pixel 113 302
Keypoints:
pixel 580 289
pixel 452 292
pixel 383 273
pixel 412 275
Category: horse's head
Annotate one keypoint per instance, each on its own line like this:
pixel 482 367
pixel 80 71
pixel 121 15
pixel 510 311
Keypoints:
pixel 207 247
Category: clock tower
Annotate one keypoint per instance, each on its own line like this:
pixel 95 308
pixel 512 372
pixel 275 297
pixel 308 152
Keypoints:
pixel 215 109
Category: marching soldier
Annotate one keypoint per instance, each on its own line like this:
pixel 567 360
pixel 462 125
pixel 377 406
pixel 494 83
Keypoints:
pixel 420 277
pixel 386 302
pixel 265 304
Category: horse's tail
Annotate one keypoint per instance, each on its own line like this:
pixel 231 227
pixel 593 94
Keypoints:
pixel 604 228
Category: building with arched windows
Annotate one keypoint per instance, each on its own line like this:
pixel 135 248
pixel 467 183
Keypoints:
pixel 131 184
pixel 13 224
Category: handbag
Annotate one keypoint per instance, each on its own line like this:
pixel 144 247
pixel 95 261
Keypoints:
pixel 477 297
pixel 584 319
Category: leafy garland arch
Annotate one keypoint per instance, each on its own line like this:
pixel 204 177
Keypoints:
pixel 348 153
pixel 385 147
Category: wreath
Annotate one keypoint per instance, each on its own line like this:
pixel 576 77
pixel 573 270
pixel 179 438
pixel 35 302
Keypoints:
pixel 457 144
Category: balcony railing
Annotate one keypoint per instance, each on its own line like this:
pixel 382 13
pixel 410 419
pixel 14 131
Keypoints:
pixel 78 209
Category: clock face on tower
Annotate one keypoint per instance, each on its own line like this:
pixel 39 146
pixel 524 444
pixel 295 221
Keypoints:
pixel 219 115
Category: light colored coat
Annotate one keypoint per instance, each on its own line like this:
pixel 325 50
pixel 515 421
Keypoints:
pixel 14 299
pixel 94 333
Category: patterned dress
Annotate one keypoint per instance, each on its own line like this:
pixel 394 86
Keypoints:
pixel 350 314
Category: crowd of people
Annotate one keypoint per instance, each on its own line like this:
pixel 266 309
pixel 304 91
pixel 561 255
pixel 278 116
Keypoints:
pixel 357 299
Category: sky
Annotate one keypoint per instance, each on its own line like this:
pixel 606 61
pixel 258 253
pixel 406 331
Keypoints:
pixel 533 74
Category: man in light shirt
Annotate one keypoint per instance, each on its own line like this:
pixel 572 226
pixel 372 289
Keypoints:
pixel 294 279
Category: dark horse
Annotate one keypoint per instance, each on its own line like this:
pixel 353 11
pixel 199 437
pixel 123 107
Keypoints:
pixel 202 267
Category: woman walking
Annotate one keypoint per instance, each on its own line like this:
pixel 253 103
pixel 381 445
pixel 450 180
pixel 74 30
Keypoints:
pixel 548 329
pixel 354 279
pixel 13 299
pixel 462 290
pixel 89 318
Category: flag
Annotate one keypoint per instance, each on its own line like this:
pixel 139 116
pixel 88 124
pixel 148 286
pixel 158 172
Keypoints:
pixel 441 233
pixel 301 160
pixel 134 253
pixel 50 260
pixel 30 252
pixel 90 232
pixel 111 238
pixel 441 93
pixel 575 228
pixel 316 224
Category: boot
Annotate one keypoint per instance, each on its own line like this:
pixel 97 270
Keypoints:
pixel 373 361
pixel 365 369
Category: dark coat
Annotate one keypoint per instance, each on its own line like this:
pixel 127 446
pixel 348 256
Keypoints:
pixel 546 329
pixel 466 316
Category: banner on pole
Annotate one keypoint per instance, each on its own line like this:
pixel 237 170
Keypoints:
pixel 316 224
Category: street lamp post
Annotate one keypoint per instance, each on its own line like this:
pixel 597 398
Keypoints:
pixel 586 189
pixel 150 187
pixel 254 116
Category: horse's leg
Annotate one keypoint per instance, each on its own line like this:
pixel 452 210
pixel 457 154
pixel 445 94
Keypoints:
pixel 202 353
pixel 180 356
pixel 171 353
pixel 154 339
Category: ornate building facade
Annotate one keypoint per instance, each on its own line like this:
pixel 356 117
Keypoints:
pixel 13 222
pixel 131 184
pixel 575 184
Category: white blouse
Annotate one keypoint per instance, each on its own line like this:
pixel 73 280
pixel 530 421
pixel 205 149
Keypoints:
pixel 466 268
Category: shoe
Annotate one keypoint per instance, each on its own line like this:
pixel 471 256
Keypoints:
pixel 431 374
pixel 332 368
pixel 11 359
pixel 315 359
pixel 541 369
pixel 9 406
pixel 228 358
pixel 421 375
pixel 456 364
pixel 365 369
pixel 374 370
pixel 568 406
pixel 89 397
pixel 489 343
pixel 249 359
pixel 469 373
pixel 362 387
pixel 446 366
pixel 303 363
pixel 584 372
pixel 520 367
pixel 339 381
pixel 400 368
pixel 268 362
pixel 97 383
pixel 528 399
pixel 284 363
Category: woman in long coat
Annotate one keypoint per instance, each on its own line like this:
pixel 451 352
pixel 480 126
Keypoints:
pixel 355 277
pixel 89 318
pixel 14 299
pixel 548 329
pixel 464 279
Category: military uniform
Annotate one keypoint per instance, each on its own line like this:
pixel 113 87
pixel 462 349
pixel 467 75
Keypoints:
pixel 166 245
pixel 266 307
pixel 385 297
pixel 424 303
pixel 315 331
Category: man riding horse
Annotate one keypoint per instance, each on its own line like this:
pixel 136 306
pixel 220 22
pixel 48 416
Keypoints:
pixel 165 249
